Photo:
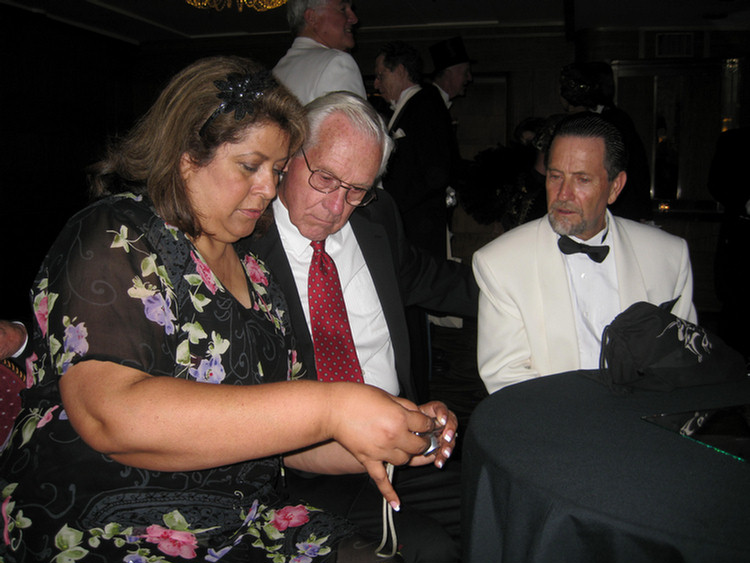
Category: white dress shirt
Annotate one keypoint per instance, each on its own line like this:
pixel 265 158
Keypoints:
pixel 596 300
pixel 369 329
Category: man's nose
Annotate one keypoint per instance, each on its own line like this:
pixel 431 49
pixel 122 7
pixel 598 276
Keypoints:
pixel 351 16
pixel 335 201
pixel 565 191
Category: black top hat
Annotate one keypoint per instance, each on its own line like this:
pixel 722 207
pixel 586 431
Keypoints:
pixel 448 53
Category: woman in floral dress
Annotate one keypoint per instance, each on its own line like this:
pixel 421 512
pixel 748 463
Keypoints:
pixel 145 435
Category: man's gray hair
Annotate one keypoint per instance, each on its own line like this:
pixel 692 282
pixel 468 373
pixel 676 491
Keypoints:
pixel 360 113
pixel 295 12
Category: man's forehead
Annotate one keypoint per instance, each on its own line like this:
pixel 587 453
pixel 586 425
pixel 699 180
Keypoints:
pixel 579 143
pixel 339 142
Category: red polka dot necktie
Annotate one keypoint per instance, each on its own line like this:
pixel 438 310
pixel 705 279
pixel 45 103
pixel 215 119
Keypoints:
pixel 335 355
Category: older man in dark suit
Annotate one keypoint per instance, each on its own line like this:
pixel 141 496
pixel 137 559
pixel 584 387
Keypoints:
pixel 327 195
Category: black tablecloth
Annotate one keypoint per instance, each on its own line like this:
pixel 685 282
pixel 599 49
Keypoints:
pixel 561 469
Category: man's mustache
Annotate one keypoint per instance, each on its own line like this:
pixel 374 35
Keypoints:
pixel 565 207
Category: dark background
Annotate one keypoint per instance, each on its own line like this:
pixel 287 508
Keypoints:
pixel 72 79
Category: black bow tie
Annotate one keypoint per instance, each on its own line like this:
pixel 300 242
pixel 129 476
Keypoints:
pixel 569 246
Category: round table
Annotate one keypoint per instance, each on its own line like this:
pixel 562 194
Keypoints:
pixel 560 468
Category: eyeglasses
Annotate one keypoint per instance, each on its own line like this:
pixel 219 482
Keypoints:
pixel 325 183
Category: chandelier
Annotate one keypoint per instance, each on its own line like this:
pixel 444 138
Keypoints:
pixel 218 5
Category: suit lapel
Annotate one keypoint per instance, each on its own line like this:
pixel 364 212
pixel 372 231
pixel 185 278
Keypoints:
pixel 270 250
pixel 402 110
pixel 375 246
pixel 630 283
pixel 556 300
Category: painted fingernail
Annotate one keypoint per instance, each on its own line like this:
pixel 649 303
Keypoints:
pixel 395 506
pixel 443 421
pixel 447 452
pixel 439 463
pixel 448 436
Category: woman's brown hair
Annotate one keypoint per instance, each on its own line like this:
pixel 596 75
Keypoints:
pixel 189 117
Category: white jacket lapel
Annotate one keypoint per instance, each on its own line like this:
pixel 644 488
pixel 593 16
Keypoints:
pixel 556 307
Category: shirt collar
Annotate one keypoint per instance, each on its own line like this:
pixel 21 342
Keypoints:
pixel 401 102
pixel 294 243
pixel 444 95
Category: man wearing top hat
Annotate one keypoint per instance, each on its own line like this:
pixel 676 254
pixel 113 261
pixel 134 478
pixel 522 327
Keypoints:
pixel 452 68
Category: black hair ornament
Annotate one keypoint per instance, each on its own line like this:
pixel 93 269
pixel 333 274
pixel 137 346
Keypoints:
pixel 238 94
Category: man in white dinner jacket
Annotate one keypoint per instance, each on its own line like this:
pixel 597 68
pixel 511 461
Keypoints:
pixel 318 62
pixel 542 309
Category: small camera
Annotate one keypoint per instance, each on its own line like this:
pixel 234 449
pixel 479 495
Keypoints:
pixel 434 436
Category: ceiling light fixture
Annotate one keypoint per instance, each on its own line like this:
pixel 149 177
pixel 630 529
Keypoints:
pixel 218 5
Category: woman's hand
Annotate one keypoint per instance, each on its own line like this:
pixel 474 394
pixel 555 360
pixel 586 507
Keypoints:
pixel 446 420
pixel 376 427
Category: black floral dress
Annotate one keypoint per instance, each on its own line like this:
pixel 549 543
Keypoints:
pixel 121 285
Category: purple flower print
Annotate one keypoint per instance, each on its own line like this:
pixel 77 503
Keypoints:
pixel 308 548
pixel 252 514
pixel 214 555
pixel 75 339
pixel 157 310
pixel 209 371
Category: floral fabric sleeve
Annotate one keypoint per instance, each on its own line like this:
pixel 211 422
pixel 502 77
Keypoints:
pixel 103 294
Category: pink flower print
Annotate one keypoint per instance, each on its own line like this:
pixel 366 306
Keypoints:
pixel 205 273
pixel 290 516
pixel 172 542
pixel 30 370
pixel 47 417
pixel 6 521
pixel 41 312
pixel 254 271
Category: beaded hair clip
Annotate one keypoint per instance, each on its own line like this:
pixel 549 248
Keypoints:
pixel 238 94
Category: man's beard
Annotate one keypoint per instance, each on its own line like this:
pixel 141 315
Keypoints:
pixel 564 227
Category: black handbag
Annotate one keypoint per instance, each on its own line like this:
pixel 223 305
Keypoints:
pixel 648 347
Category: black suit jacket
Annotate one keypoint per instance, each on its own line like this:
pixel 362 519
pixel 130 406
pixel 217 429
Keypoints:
pixel 403 275
pixel 424 163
